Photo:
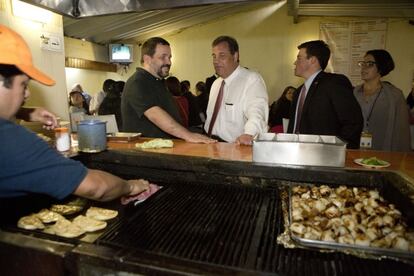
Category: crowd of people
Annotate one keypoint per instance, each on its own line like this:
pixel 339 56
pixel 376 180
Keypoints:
pixel 236 111
pixel 232 105
pixel 105 102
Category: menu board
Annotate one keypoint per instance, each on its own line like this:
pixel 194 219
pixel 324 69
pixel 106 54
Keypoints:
pixel 349 41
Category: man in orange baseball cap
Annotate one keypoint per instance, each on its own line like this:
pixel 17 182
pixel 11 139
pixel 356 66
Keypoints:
pixel 28 164
pixel 14 51
pixel 15 57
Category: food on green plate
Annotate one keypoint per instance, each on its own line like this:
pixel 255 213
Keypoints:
pixel 373 161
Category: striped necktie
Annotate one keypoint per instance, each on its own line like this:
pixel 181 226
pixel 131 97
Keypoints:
pixel 300 107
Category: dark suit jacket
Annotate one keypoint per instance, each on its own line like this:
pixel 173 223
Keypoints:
pixel 330 108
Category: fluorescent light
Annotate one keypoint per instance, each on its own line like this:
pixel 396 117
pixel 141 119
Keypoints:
pixel 31 12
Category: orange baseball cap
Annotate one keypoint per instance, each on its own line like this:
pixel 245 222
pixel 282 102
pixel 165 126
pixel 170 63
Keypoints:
pixel 14 51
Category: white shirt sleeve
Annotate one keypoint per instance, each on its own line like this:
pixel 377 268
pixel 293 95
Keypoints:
pixel 96 101
pixel 256 107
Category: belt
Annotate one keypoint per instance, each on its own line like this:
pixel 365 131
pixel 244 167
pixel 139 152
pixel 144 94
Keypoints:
pixel 215 137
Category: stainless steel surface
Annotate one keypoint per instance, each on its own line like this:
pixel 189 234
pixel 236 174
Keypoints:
pixel 294 149
pixel 139 26
pixel 380 252
pixel 92 136
pixel 360 8
pixel 120 20
pixel 86 8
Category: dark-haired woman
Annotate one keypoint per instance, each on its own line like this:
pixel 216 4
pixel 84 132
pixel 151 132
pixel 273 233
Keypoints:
pixel 383 105
pixel 280 109
pixel 111 104
pixel 173 85
pixel 77 103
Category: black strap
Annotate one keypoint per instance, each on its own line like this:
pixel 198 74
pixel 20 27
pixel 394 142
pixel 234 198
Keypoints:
pixel 372 108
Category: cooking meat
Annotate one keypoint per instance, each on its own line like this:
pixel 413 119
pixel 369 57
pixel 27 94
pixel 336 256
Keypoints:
pixel 348 215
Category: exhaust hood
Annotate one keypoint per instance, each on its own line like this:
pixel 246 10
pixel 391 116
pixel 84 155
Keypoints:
pixel 85 8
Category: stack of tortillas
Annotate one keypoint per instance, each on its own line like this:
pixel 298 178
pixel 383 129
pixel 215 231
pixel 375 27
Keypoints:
pixel 93 221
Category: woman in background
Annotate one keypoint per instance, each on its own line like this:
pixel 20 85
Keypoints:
pixel 77 102
pixel 174 86
pixel 383 105
pixel 410 98
pixel 410 103
pixel 111 104
pixel 280 109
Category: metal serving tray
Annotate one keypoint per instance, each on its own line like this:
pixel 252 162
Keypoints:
pixel 299 149
pixel 362 250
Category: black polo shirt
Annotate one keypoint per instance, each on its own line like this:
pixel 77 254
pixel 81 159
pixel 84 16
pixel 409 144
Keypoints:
pixel 143 91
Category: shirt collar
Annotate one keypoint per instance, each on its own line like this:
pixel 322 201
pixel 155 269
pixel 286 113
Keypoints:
pixel 229 79
pixel 309 81
pixel 149 74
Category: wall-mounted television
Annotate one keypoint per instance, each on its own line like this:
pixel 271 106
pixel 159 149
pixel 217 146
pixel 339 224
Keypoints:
pixel 120 53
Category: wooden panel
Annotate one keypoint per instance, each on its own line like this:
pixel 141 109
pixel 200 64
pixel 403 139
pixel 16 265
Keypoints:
pixel 89 64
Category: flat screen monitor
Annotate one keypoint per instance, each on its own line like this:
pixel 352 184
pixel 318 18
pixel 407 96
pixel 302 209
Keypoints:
pixel 120 53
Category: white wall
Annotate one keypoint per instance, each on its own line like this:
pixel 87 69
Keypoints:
pixel 91 80
pixel 268 41
pixel 52 63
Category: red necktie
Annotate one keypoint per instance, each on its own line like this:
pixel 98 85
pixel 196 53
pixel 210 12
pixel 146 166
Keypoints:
pixel 216 108
pixel 300 107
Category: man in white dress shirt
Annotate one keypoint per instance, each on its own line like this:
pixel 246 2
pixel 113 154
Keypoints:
pixel 243 109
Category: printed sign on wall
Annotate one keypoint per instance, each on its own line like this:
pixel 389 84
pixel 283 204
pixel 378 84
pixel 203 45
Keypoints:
pixel 349 41
pixel 51 42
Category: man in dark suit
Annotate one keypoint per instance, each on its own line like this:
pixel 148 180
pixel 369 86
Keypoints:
pixel 325 103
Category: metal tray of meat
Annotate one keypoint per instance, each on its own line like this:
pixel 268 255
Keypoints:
pixel 355 249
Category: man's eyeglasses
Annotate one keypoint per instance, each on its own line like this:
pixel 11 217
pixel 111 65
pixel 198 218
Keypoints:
pixel 366 63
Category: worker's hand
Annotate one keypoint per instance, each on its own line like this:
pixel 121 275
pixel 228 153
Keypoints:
pixel 41 115
pixel 199 138
pixel 244 139
pixel 138 186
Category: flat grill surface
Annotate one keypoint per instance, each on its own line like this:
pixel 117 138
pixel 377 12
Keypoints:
pixel 232 226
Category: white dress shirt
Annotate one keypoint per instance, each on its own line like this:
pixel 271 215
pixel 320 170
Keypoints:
pixel 96 101
pixel 245 107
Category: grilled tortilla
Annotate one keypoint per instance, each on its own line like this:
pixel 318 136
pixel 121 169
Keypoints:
pixel 31 222
pixel 65 228
pixel 89 224
pixel 47 216
pixel 100 213
pixel 65 209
